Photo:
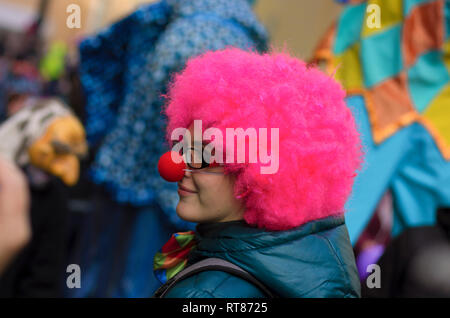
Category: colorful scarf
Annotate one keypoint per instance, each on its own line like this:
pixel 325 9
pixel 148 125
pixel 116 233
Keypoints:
pixel 172 257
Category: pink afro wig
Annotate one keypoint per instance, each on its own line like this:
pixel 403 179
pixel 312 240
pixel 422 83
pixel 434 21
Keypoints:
pixel 319 145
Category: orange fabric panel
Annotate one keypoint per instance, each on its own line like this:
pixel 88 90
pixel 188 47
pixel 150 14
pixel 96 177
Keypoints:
pixel 390 106
pixel 421 33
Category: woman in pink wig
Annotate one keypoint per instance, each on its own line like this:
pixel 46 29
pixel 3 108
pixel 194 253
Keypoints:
pixel 271 225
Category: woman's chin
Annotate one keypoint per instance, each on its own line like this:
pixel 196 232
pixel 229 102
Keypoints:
pixel 186 211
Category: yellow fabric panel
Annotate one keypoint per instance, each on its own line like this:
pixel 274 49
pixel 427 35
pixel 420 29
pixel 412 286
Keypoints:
pixel 446 50
pixel 438 113
pixel 349 71
pixel 391 13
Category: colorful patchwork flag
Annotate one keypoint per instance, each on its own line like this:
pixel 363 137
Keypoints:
pixel 172 258
pixel 400 65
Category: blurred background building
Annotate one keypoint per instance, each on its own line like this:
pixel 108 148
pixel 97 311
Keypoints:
pixel 291 23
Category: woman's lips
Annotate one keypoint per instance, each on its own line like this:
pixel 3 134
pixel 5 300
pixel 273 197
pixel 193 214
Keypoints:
pixel 183 190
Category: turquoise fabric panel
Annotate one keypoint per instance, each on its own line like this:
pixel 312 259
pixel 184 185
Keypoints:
pixel 349 27
pixel 381 55
pixel 422 182
pixel 381 162
pixel 408 5
pixel 426 78
pixel 447 19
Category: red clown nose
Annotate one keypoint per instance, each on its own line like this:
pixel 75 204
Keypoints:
pixel 170 170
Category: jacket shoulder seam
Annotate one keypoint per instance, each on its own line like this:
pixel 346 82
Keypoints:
pixel 197 283
pixel 222 282
pixel 213 292
pixel 335 253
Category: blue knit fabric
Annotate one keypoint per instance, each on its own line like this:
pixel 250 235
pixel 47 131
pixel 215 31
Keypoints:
pixel 124 71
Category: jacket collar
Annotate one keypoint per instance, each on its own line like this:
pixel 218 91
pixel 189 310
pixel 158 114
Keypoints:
pixel 230 236
pixel 313 260
pixel 216 229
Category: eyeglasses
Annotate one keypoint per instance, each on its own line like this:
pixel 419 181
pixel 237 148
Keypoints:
pixel 197 161
pixel 201 171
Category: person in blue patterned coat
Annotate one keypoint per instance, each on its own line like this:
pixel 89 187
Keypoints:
pixel 124 70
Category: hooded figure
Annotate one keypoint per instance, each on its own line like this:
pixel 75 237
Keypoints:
pixel 124 70
pixel 279 217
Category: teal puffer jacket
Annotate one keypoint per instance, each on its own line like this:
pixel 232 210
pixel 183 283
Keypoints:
pixel 313 260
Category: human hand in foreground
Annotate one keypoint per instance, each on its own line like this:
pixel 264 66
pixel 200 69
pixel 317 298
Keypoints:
pixel 15 229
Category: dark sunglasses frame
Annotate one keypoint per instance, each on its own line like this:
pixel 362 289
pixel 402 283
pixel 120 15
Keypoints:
pixel 204 164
